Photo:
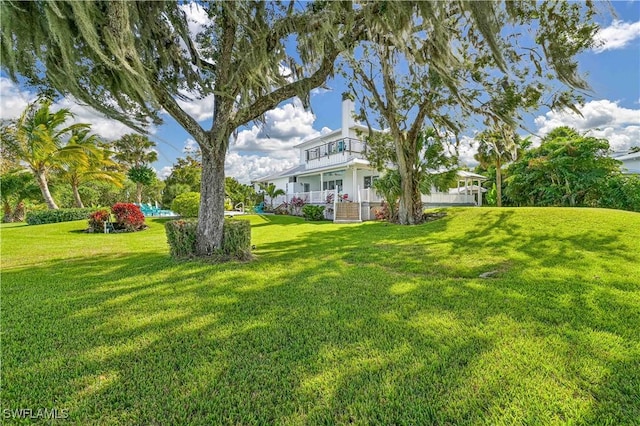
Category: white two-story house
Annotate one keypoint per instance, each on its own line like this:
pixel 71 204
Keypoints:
pixel 334 172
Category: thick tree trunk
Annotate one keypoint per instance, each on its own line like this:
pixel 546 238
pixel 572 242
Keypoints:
pixel 498 184
pixel 76 196
pixel 410 208
pixel 139 192
pixel 211 215
pixel 41 178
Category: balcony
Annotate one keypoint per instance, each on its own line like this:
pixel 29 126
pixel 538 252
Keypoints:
pixel 335 152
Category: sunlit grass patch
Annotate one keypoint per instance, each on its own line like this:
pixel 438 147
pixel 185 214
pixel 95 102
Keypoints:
pixel 332 324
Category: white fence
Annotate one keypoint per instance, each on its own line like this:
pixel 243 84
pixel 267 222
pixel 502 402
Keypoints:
pixel 369 195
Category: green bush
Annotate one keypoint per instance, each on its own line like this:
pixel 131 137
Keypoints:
pixel 313 212
pixel 59 215
pixel 181 236
pixel 236 239
pixel 186 204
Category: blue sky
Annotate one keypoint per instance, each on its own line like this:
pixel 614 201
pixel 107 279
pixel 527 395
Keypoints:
pixel 612 109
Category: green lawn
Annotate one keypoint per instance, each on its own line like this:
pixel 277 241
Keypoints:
pixel 332 324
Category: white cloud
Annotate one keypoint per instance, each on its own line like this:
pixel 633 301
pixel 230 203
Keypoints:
pixel 603 118
pixel 13 101
pixel 467 149
pixel 617 35
pixel 267 149
pixel 284 127
pixel 190 146
pixel 164 172
pixel 200 109
pixel 104 127
pixel 246 168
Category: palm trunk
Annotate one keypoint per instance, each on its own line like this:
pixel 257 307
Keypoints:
pixel 8 214
pixel 41 178
pixel 18 212
pixel 139 192
pixel 76 195
pixel 211 215
pixel 498 183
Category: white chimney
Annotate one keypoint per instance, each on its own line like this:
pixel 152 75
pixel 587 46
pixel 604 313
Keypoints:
pixel 348 108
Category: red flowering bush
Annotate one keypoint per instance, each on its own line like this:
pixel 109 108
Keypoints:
pixel 97 220
pixel 128 217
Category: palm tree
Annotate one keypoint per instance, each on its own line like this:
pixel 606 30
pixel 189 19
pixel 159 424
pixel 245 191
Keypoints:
pixel 99 164
pixel 36 138
pixel 135 152
pixel 271 191
pixel 496 148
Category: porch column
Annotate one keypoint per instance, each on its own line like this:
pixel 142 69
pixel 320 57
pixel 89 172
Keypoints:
pixel 321 183
pixel 355 184
pixel 479 194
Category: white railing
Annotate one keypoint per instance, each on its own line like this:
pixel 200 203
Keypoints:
pixel 368 195
pixel 239 207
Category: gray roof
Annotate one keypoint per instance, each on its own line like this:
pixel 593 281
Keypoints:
pixel 285 173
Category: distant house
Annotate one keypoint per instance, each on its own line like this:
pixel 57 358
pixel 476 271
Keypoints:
pixel 334 172
pixel 630 163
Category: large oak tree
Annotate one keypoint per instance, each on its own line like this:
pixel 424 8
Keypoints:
pixel 447 65
pixel 132 60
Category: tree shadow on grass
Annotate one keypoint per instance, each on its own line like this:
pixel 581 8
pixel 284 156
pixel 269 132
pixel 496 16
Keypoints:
pixel 382 331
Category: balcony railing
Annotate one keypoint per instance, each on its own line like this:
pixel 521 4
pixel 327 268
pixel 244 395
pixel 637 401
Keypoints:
pixel 340 146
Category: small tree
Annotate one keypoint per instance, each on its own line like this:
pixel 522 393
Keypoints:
pixel 37 138
pixel 271 191
pixel 496 148
pixel 98 164
pixel 141 176
pixel 16 187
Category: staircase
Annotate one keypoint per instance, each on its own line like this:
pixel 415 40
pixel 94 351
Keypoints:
pixel 347 212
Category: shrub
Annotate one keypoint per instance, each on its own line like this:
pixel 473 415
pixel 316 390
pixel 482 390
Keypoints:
pixel 313 212
pixel 296 204
pixel 181 236
pixel 60 215
pixel 128 217
pixel 97 220
pixel 187 204
pixel 384 212
pixel 236 239
pixel 227 205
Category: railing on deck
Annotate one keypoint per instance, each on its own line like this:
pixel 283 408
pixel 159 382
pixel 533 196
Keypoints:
pixel 348 145
pixel 367 195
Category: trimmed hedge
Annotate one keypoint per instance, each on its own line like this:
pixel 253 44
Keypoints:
pixel 236 239
pixel 59 215
pixel 181 236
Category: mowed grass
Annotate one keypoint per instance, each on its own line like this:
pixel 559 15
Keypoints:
pixel 332 324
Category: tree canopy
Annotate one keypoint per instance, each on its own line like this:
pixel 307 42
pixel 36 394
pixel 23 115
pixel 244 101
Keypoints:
pixel 441 64
pixel 132 60
pixel 567 169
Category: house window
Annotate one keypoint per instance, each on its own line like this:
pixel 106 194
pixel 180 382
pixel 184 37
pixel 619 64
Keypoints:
pixel 307 187
pixel 293 179
pixel 332 184
pixel 369 180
